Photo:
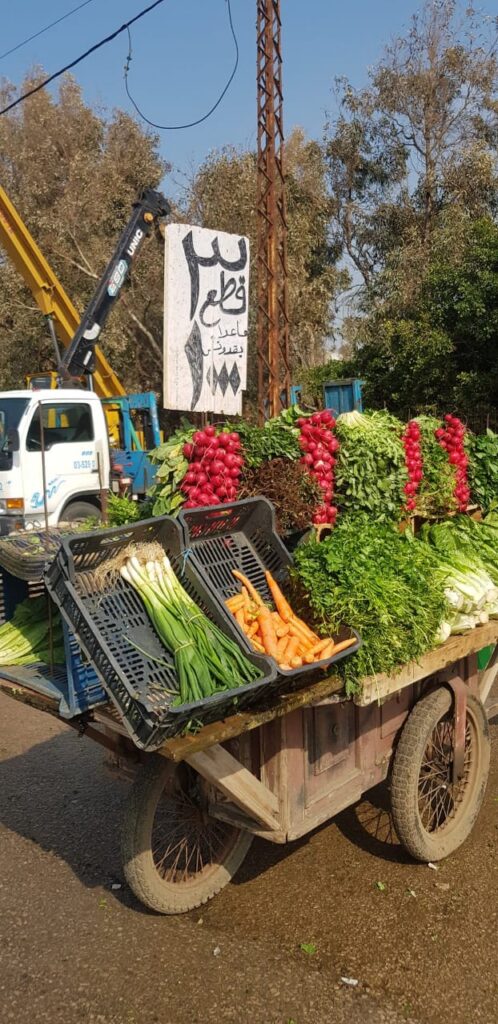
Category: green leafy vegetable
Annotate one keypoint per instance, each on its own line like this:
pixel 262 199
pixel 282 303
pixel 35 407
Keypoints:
pixel 121 511
pixel 483 469
pixel 165 496
pixel 370 470
pixel 278 438
pixel 380 582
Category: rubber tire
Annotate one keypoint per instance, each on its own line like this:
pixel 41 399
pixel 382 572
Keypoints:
pixel 424 717
pixel 138 864
pixel 78 511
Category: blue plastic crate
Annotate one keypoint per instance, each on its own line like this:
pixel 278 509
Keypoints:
pixel 83 688
pixel 75 684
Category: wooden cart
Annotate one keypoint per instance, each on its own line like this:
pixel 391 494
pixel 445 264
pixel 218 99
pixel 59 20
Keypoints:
pixel 196 805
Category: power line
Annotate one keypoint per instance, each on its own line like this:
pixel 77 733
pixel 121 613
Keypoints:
pixel 78 60
pixel 42 30
pixel 199 120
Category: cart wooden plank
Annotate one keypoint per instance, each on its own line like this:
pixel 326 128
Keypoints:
pixel 40 701
pixel 379 687
pixel 180 748
pixel 219 768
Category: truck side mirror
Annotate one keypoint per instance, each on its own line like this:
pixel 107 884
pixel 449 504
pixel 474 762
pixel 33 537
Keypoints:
pixel 13 440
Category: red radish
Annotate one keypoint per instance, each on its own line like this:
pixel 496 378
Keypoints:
pixel 318 443
pixel 452 439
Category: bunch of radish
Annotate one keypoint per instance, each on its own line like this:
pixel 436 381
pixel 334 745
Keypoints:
pixel 413 462
pixel 451 437
pixel 215 464
pixel 319 445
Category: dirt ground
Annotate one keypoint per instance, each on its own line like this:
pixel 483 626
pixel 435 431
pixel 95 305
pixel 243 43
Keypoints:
pixel 422 945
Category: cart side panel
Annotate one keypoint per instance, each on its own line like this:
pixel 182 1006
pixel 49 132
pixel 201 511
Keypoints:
pixel 322 759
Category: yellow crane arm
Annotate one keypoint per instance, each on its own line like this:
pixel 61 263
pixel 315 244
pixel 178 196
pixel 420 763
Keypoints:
pixel 48 292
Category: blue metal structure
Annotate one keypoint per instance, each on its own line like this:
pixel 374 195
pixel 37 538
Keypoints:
pixel 338 395
pixel 132 457
pixel 343 395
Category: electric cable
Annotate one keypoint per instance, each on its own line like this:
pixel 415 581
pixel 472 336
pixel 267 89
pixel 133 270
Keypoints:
pixel 45 29
pixel 199 120
pixel 67 67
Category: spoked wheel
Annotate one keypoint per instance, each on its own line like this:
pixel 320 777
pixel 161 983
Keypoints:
pixel 175 855
pixel 432 814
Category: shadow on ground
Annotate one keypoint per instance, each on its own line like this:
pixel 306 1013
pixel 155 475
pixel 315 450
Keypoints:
pixel 59 795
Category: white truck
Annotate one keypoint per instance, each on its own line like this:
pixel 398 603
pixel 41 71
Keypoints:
pixel 54 457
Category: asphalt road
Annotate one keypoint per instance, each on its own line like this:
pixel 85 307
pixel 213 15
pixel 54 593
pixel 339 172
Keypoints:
pixel 423 946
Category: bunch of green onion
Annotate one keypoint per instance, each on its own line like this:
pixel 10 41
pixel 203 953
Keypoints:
pixel 30 637
pixel 206 660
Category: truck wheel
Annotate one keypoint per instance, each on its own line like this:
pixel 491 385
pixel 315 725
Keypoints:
pixel 175 855
pixel 78 511
pixel 432 815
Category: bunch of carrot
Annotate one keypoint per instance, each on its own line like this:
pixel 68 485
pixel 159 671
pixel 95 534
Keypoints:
pixel 279 633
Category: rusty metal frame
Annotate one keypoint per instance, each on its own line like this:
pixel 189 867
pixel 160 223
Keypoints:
pixel 273 313
pixel 459 691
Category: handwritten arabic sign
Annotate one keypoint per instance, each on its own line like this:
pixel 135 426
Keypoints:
pixel 205 319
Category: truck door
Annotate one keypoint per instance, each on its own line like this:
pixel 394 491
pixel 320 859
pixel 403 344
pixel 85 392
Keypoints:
pixel 71 467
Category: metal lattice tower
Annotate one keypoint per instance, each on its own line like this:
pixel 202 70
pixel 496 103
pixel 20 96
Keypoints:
pixel 273 317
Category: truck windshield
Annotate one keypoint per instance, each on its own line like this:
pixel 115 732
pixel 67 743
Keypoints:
pixel 11 410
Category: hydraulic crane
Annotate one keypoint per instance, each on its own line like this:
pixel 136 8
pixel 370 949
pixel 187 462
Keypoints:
pixel 81 356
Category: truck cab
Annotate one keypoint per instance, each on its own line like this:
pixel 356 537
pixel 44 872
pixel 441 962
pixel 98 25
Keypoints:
pixel 54 457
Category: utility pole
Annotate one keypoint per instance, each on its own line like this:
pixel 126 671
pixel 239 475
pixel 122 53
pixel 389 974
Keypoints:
pixel 273 317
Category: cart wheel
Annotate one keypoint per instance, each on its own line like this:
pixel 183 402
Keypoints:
pixel 175 855
pixel 432 815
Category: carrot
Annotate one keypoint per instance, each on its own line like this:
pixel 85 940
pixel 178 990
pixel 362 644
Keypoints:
pixel 267 632
pixel 344 644
pixel 239 615
pixel 302 638
pixel 257 646
pixel 245 595
pixel 320 646
pixel 281 645
pixel 291 649
pixel 285 668
pixel 247 583
pixel 252 630
pixel 309 632
pixel 234 603
pixel 282 630
pixel 282 605
pixel 327 652
pixel 296 662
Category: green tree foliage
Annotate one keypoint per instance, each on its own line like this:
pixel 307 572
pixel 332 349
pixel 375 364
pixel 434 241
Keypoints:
pixel 73 174
pixel 413 176
pixel 440 353
pixel 418 140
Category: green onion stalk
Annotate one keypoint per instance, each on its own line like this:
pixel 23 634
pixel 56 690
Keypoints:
pixel 28 637
pixel 206 660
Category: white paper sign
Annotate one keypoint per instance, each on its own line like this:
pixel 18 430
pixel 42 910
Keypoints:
pixel 205 319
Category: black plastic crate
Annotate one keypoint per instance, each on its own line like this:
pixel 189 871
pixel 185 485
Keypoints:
pixel 243 536
pixel 114 631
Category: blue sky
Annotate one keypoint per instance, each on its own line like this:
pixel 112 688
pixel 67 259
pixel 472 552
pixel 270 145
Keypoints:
pixel 183 53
